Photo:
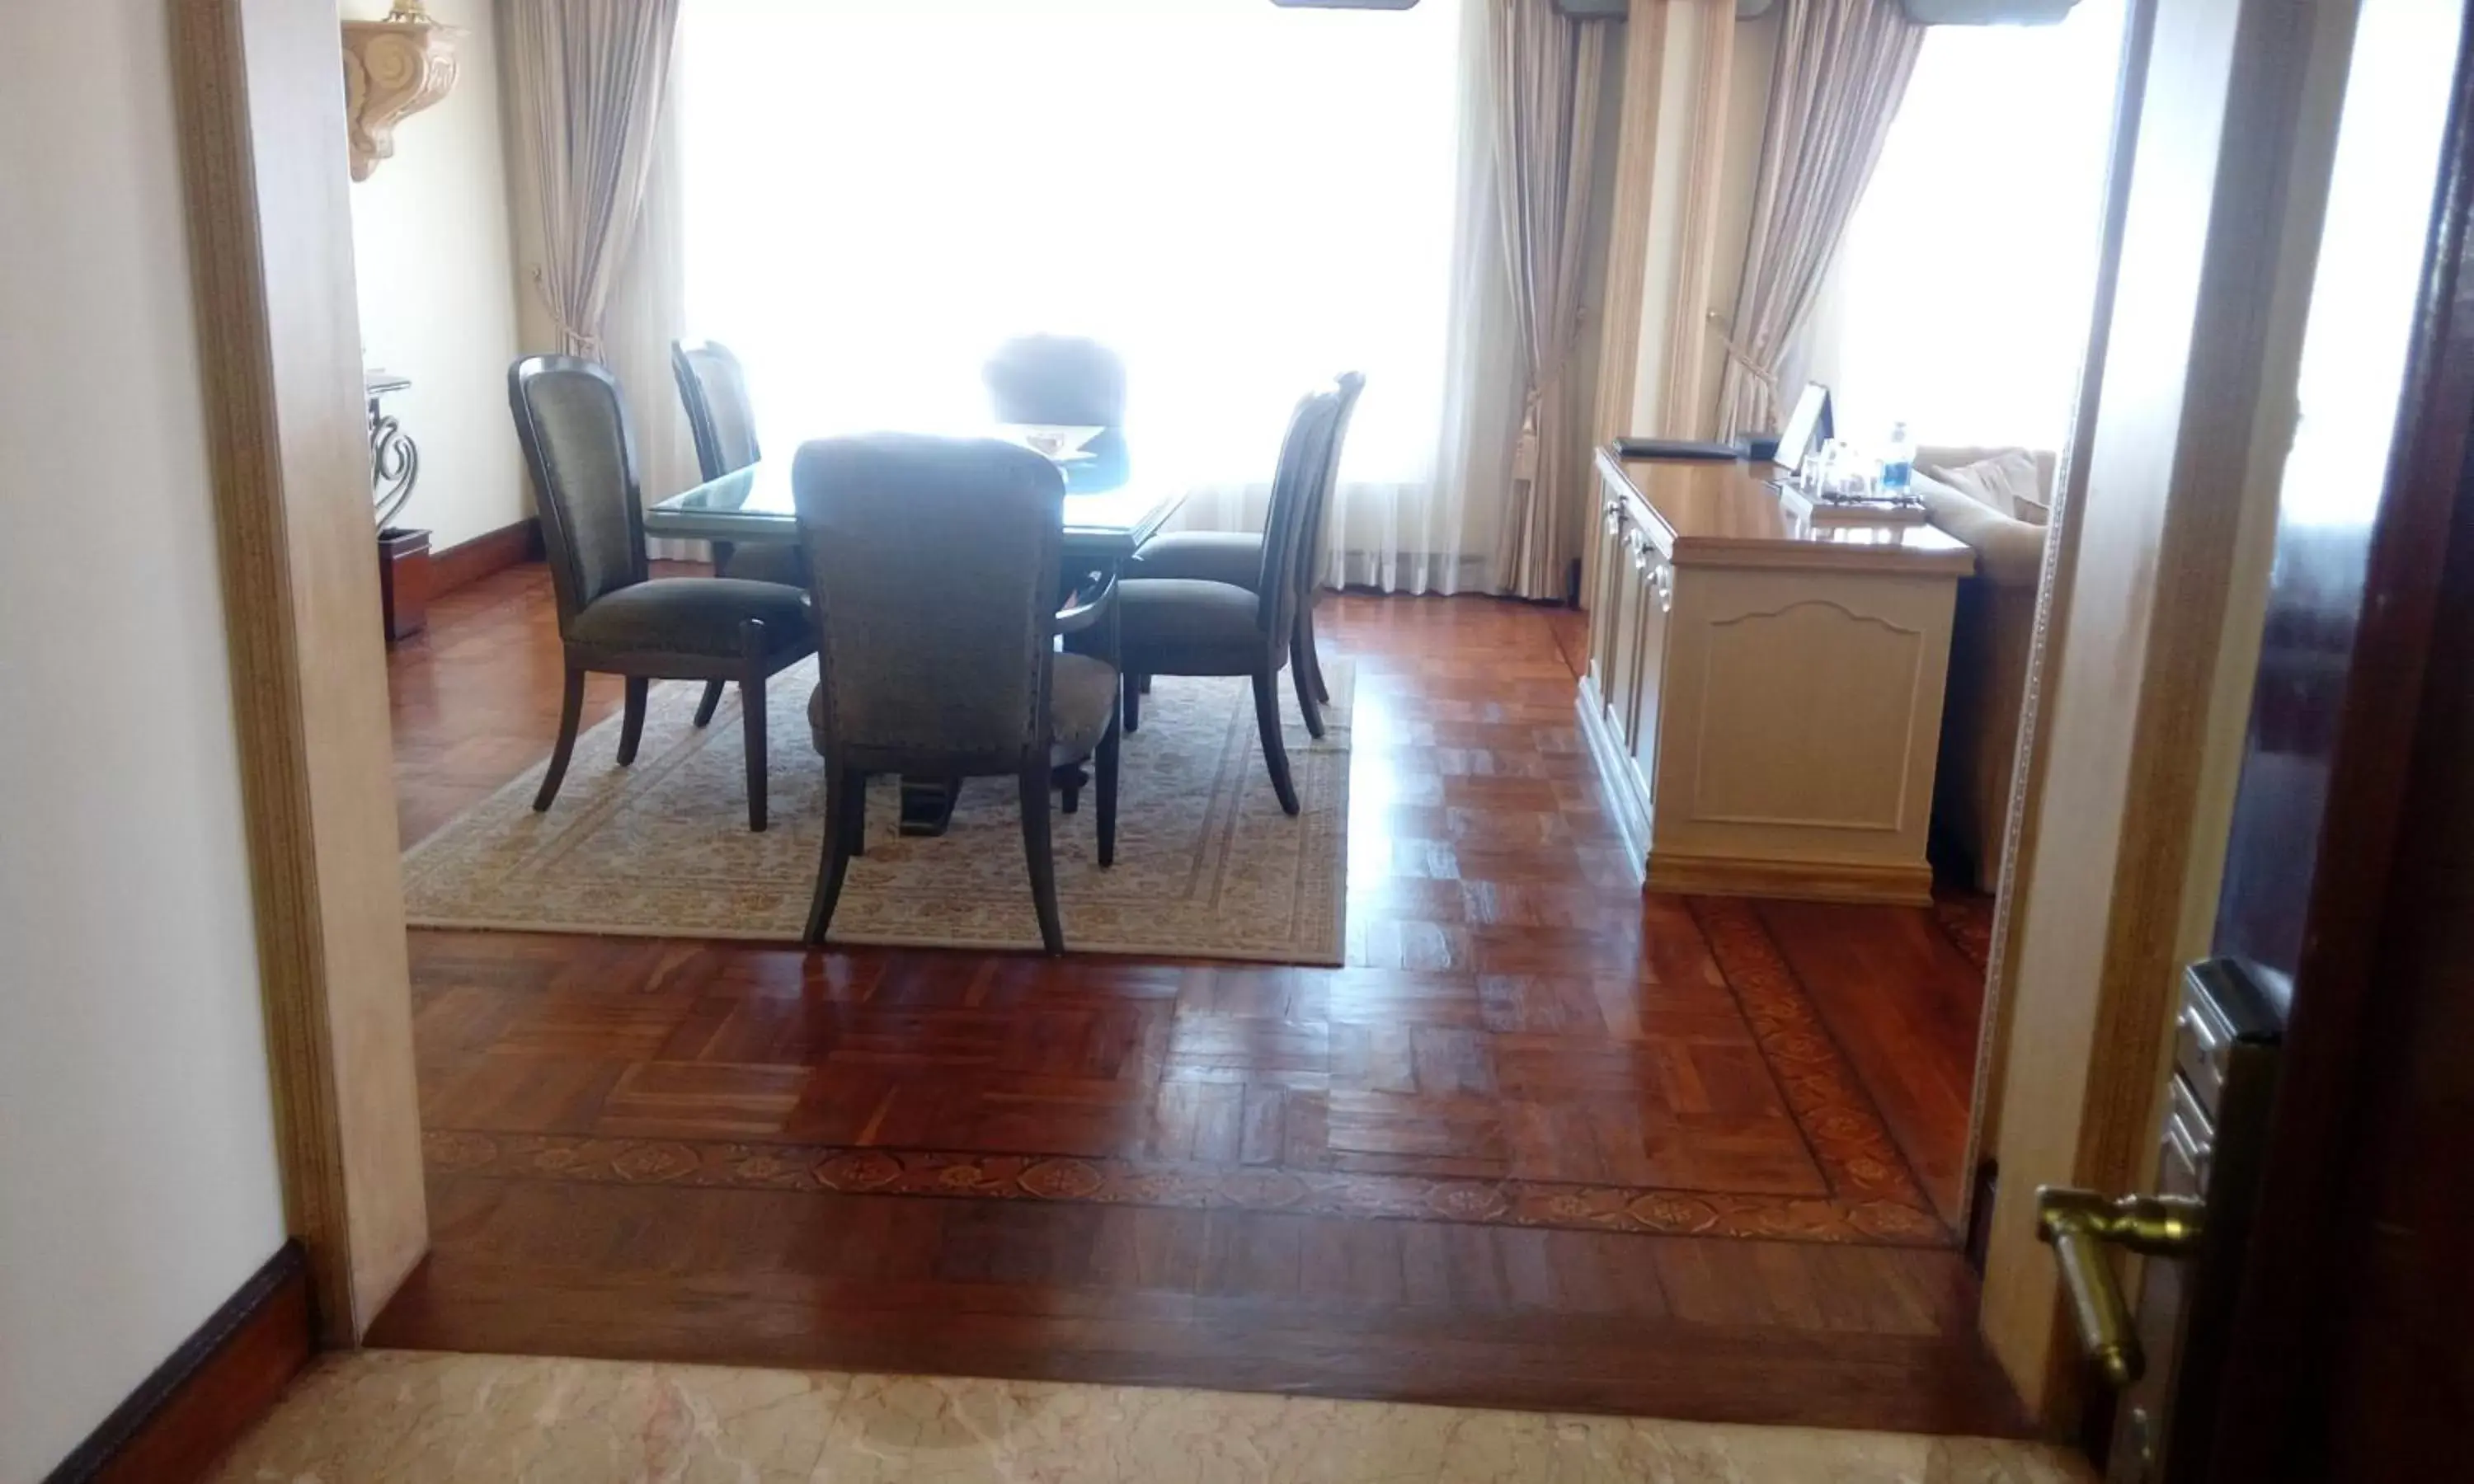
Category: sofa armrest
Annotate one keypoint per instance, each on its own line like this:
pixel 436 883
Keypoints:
pixel 2008 552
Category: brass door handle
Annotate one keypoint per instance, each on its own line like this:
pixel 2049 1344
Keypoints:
pixel 2078 1225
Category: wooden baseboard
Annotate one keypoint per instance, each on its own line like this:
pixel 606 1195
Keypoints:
pixel 491 551
pixel 1904 886
pixel 214 1388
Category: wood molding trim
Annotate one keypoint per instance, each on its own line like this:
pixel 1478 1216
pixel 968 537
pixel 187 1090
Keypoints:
pixel 1627 239
pixel 1627 220
pixel 211 1390
pixel 270 234
pixel 1686 410
pixel 492 551
pixel 1863 881
pixel 2025 813
pixel 2218 246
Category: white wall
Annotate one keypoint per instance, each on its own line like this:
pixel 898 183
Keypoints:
pixel 435 262
pixel 138 1185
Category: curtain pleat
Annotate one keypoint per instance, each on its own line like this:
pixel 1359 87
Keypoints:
pixel 587 82
pixel 1545 106
pixel 1842 66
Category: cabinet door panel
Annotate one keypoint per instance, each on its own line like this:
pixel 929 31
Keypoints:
pixel 1623 621
pixel 1656 576
pixel 1608 534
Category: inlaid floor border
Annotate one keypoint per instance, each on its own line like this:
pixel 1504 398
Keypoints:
pixel 827 1169
pixel 1875 1197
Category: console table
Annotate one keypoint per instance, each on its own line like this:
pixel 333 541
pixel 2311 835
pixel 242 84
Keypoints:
pixel 1763 694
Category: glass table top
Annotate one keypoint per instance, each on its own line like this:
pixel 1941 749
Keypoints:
pixel 755 504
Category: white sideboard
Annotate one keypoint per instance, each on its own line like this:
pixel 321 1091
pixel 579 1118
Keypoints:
pixel 1763 694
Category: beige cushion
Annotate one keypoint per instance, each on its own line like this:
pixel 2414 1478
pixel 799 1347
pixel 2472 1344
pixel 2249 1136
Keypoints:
pixel 694 615
pixel 1232 556
pixel 2008 552
pixel 2007 482
pixel 1081 697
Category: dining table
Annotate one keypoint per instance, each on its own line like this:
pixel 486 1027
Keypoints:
pixel 1103 527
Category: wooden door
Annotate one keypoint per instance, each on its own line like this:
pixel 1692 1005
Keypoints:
pixel 2340 1342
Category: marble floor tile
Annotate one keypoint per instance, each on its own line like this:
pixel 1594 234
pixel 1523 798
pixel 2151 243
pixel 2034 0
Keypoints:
pixel 396 1417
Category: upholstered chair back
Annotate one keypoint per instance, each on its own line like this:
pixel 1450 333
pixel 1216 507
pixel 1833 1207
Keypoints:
pixel 934 565
pixel 1066 379
pixel 1318 519
pixel 714 388
pixel 1057 378
pixel 1303 454
pixel 573 428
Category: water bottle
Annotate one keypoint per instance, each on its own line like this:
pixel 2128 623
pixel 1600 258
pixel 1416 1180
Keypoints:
pixel 1897 462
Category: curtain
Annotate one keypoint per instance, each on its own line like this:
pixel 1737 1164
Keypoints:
pixel 1242 200
pixel 2012 126
pixel 1546 108
pixel 1842 66
pixel 586 79
pixel 647 312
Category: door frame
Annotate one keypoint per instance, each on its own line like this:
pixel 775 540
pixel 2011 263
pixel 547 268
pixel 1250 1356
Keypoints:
pixel 2148 630
pixel 262 112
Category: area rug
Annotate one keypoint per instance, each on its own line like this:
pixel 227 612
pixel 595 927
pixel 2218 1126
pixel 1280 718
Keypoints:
pixel 1207 865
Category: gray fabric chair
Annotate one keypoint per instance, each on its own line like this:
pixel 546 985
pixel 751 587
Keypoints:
pixel 712 387
pixel 1069 380
pixel 1236 558
pixel 939 657
pixel 612 616
pixel 1197 625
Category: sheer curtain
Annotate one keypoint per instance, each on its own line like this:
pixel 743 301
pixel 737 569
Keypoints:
pixel 1242 200
pixel 1959 301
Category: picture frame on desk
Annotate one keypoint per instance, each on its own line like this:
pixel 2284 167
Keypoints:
pixel 1811 425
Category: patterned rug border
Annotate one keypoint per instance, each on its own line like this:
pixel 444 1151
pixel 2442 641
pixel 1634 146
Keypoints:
pixel 1967 923
pixel 828 1169
pixel 1845 1132
pixel 1339 715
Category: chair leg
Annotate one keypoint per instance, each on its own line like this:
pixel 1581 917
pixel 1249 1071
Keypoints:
pixel 571 712
pixel 1314 656
pixel 1070 791
pixel 846 806
pixel 1103 769
pixel 858 816
pixel 711 702
pixel 1132 709
pixel 1039 856
pixel 751 705
pixel 1275 752
pixel 632 731
pixel 1301 672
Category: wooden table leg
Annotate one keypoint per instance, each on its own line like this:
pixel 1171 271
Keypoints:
pixel 928 804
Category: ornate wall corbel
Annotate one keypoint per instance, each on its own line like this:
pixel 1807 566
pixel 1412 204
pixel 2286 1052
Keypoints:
pixel 393 68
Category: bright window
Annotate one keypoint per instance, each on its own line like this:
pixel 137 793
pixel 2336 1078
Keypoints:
pixel 1960 300
pixel 1242 200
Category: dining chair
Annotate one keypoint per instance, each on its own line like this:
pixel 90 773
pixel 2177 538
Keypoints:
pixel 1237 557
pixel 1069 380
pixel 1198 626
pixel 939 657
pixel 613 616
pixel 712 387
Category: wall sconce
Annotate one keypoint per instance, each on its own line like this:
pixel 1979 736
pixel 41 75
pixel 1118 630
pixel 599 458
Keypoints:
pixel 393 68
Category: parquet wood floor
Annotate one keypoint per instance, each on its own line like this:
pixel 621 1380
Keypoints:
pixel 1542 1141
